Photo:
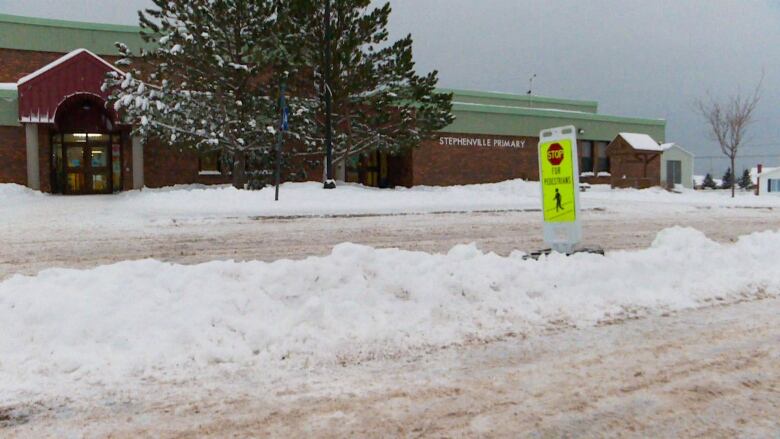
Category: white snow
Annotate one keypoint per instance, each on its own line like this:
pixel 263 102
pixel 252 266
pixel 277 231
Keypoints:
pixel 641 141
pixel 149 319
pixel 667 146
pixel 769 173
pixel 754 172
pixel 24 209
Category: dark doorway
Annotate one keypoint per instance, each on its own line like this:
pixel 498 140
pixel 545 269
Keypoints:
pixel 86 147
pixel 369 170
pixel 86 163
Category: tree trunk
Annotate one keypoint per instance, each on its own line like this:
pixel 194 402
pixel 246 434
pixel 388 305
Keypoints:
pixel 733 173
pixel 239 169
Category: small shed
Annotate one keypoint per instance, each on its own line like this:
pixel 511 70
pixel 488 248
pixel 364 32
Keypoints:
pixel 769 183
pixel 635 161
pixel 676 166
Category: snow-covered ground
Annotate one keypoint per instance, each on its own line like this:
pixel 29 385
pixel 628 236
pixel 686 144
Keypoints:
pixel 116 325
pixel 152 320
pixel 23 207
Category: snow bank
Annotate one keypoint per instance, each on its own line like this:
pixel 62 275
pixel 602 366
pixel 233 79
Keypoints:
pixel 23 208
pixel 149 318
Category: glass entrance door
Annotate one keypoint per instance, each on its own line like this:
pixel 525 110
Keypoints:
pixel 87 164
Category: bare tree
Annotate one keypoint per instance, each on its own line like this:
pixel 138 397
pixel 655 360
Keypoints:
pixel 728 122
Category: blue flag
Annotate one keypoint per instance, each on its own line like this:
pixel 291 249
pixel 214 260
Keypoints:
pixel 286 119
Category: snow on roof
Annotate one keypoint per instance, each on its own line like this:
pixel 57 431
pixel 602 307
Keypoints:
pixel 770 172
pixel 668 146
pixel 7 86
pixel 61 60
pixel 641 141
pixel 514 107
pixel 766 169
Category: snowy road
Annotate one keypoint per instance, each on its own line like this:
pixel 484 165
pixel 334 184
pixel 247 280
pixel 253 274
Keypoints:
pixel 72 244
pixel 712 372
pixel 376 343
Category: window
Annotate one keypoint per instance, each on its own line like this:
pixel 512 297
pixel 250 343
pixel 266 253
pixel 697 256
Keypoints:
pixel 773 185
pixel 602 162
pixel 586 162
pixel 674 172
pixel 208 163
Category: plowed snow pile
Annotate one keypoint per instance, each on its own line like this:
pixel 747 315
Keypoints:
pixel 148 318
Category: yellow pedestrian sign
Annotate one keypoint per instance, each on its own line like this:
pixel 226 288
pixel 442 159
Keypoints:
pixel 558 189
pixel 559 181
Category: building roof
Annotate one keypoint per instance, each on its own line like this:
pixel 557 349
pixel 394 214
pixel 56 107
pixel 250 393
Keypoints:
pixel 642 142
pixel 768 172
pixel 522 101
pixel 517 121
pixel 667 146
pixel 476 112
pixel 42 92
pixel 47 35
pixel 62 60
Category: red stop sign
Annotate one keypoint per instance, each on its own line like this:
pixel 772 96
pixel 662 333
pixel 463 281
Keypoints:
pixel 555 154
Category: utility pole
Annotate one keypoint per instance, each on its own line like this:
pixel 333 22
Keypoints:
pixel 330 183
pixel 283 126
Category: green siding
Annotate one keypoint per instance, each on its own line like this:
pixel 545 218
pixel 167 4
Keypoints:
pixel 687 161
pixel 37 34
pixel 523 101
pixel 486 119
pixel 9 108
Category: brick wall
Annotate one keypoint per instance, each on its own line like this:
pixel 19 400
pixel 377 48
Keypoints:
pixel 400 170
pixel 166 166
pixel 437 163
pixel 13 155
pixel 14 64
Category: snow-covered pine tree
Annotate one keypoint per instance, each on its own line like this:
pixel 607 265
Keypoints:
pixel 709 183
pixel 379 102
pixel 745 182
pixel 728 179
pixel 212 79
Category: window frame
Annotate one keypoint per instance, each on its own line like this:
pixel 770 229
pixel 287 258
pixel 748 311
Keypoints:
pixel 587 146
pixel 217 161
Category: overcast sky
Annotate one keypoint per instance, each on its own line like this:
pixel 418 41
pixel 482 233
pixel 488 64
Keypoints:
pixel 647 58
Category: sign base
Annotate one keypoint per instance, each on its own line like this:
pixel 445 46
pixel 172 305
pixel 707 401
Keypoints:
pixel 596 250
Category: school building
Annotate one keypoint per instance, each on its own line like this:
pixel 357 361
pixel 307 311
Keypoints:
pixel 57 135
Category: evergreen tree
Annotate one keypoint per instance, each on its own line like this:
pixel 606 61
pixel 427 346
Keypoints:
pixel 709 183
pixel 745 182
pixel 379 102
pixel 728 179
pixel 216 67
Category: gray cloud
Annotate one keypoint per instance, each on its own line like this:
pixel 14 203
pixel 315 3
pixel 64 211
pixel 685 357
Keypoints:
pixel 648 58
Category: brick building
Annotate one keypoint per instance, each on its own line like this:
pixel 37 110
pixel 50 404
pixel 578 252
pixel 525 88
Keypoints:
pixel 57 135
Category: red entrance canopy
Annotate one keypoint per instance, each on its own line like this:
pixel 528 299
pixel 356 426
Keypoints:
pixel 77 73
